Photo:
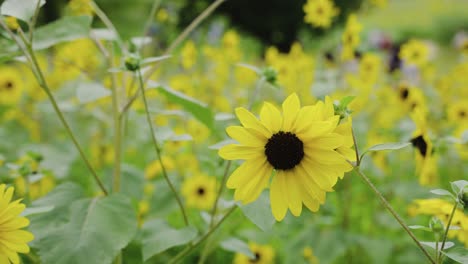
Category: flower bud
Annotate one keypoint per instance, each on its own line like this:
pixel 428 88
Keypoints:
pixel 132 62
pixel 270 75
pixel 436 225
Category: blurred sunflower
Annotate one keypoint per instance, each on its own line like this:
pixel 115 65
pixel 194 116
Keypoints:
pixel 12 22
pixel 309 256
pixel 426 159
pixel 442 210
pixel 457 112
pixel 264 254
pixel 415 52
pixel 320 13
pixel 13 240
pixel 305 147
pixel 81 7
pixel 200 191
pixel 11 85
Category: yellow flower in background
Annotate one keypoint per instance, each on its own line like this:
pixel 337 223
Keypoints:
pixel 369 68
pixel 81 7
pixel 12 23
pixel 154 169
pixel 264 254
pixel 457 112
pixel 304 147
pixel 162 15
pixel 143 209
pixel 308 254
pixel 188 55
pixel 13 240
pixel 351 37
pixel 426 160
pixel 11 85
pixel 415 52
pixel 200 191
pixel 320 13
pixel 442 210
pixel 36 187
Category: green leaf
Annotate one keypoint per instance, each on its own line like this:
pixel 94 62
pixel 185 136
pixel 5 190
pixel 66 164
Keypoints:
pixel 442 192
pixel 62 30
pixel 88 92
pixel 60 199
pixel 159 236
pixel 22 9
pixel 259 212
pixel 386 146
pixel 236 245
pixel 346 101
pixel 96 232
pixel 459 254
pixel 36 210
pixel 458 186
pixel 420 227
pixel 198 109
pixel 432 245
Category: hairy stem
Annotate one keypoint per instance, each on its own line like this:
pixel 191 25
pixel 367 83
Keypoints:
pixel 444 239
pixel 157 148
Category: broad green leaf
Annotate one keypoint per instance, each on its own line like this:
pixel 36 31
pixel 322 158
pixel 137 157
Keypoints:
pixel 459 254
pixel 432 245
pixel 88 92
pixel 22 9
pixel 458 186
pixel 259 212
pixel 386 146
pixel 96 232
pixel 62 30
pixel 198 109
pixel 159 236
pixel 236 245
pixel 60 199
pixel 441 192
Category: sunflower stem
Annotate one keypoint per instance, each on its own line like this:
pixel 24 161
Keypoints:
pixel 28 51
pixel 158 149
pixel 387 205
pixel 444 239
pixel 189 248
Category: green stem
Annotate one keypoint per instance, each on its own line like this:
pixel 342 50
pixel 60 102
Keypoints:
pixel 256 91
pixel 387 205
pixel 188 249
pixel 447 229
pixel 220 192
pixel 29 53
pixel 117 131
pixel 32 24
pixel 158 150
pixel 437 252
pixel 107 22
pixel 154 8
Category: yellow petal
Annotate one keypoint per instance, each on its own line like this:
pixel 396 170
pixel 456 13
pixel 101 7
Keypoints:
pixel 318 175
pixel 278 198
pixel 271 117
pixel 323 156
pixel 329 141
pixel 233 152
pixel 242 175
pixel 312 189
pixel 245 136
pixel 248 120
pixel 258 182
pixel 316 129
pixel 294 193
pixel 291 107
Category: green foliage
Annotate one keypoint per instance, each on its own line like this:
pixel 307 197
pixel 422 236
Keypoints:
pixel 259 212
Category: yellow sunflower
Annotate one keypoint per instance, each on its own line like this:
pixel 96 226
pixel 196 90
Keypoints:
pixel 415 52
pixel 200 191
pixel 305 148
pixel 11 85
pixel 320 13
pixel 457 112
pixel 13 240
pixel 264 254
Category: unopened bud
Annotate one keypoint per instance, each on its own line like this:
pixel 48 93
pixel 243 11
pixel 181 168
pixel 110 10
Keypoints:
pixel 132 62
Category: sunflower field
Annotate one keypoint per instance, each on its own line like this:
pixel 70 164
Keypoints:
pixel 233 131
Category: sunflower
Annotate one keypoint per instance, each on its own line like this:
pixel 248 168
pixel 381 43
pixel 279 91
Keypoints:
pixel 415 52
pixel 13 240
pixel 305 148
pixel 320 13
pixel 199 191
pixel 264 254
pixel 11 85
pixel 457 112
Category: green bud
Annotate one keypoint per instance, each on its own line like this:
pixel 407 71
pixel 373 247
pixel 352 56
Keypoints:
pixel 132 62
pixel 24 170
pixel 270 75
pixel 463 197
pixel 436 225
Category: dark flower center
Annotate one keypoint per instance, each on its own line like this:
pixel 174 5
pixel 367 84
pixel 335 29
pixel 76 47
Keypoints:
pixel 284 150
pixel 257 258
pixel 462 113
pixel 419 143
pixel 201 191
pixel 404 93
